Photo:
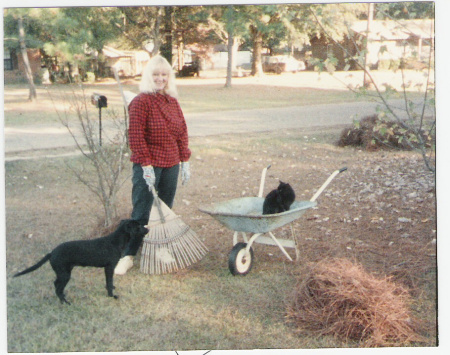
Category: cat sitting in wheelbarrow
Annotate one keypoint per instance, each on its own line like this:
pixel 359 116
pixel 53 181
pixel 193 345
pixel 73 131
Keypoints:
pixel 279 200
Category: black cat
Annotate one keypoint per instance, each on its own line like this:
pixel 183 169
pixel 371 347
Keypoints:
pixel 279 200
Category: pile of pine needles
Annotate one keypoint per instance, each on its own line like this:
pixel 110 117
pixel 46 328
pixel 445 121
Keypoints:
pixel 341 299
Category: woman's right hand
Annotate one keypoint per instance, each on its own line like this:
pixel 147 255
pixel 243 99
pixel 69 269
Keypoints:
pixel 149 176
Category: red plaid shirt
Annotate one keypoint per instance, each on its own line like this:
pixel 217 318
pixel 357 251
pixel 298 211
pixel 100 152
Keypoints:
pixel 158 133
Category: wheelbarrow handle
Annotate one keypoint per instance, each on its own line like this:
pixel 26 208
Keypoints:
pixel 263 179
pixel 324 186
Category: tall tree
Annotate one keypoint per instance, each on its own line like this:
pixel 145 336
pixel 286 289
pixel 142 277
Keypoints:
pixel 187 21
pixel 405 10
pixel 227 23
pixel 88 29
pixel 261 20
pixel 23 49
pixel 267 25
pixel 23 29
pixel 167 46
pixel 230 14
pixel 141 28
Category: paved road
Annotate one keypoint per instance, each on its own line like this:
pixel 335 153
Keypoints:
pixel 204 124
pixel 31 138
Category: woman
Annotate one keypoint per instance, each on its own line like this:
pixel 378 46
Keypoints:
pixel 158 141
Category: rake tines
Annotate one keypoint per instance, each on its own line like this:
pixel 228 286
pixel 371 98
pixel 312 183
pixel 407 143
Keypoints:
pixel 170 244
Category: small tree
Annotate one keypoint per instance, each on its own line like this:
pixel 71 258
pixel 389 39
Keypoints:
pixel 103 164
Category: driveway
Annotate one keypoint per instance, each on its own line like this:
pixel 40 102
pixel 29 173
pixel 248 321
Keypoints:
pixel 256 120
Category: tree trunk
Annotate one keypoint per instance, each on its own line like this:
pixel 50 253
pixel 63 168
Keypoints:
pixel 230 59
pixel 166 47
pixel 157 33
pixel 32 96
pixel 180 52
pixel 257 50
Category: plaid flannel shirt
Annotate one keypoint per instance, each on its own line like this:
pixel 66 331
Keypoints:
pixel 157 131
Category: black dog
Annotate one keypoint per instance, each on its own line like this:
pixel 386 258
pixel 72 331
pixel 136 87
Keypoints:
pixel 101 252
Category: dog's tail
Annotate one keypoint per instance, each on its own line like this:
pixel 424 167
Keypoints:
pixel 36 266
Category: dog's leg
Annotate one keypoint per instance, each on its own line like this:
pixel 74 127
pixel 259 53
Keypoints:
pixel 109 274
pixel 62 278
pixel 60 283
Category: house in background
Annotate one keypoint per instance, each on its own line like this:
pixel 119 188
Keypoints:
pixel 388 42
pixel 127 63
pixel 14 69
pixel 394 40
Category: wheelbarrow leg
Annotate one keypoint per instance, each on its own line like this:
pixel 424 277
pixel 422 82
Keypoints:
pixel 280 246
pixel 252 239
pixel 235 237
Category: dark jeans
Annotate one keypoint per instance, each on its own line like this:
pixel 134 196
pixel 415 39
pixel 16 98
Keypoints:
pixel 142 198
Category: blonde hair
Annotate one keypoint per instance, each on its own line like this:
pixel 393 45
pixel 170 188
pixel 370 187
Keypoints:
pixel 158 63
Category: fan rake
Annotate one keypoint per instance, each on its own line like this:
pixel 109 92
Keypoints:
pixel 170 244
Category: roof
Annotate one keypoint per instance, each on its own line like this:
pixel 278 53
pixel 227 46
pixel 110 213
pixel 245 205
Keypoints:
pixel 114 53
pixel 396 30
pixel 111 52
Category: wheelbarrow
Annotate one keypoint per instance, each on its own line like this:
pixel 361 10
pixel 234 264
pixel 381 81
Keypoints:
pixel 244 215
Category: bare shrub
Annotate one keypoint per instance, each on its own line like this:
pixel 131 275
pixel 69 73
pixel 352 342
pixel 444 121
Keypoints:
pixel 101 170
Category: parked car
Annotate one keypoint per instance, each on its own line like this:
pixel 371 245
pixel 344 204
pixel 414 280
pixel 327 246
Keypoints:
pixel 190 69
pixel 282 63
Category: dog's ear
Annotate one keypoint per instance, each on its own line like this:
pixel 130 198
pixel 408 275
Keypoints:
pixel 130 226
pixel 124 224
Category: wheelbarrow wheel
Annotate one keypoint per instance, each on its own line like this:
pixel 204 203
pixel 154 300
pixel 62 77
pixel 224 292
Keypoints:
pixel 240 262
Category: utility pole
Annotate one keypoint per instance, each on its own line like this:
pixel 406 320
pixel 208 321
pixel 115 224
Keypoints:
pixel 368 35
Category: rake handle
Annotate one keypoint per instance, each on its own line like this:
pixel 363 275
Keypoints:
pixel 158 204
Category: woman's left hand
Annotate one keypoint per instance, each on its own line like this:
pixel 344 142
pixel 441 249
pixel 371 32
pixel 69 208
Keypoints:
pixel 185 172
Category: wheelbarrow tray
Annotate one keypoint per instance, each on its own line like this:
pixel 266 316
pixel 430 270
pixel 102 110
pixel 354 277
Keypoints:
pixel 245 214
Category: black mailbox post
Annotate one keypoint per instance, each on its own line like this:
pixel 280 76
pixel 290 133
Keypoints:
pixel 99 101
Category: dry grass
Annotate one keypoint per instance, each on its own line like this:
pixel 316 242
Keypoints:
pixel 340 298
pixel 205 307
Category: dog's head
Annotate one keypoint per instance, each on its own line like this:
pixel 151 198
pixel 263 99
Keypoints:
pixel 133 228
pixel 127 230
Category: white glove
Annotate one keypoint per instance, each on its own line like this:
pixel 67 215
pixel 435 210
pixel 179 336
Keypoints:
pixel 185 172
pixel 149 176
